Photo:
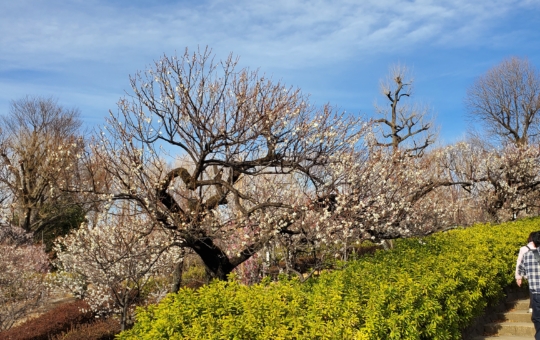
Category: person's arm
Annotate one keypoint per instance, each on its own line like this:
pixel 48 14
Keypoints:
pixel 521 271
pixel 522 252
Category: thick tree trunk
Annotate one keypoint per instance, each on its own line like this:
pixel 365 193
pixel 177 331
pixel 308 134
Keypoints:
pixel 177 277
pixel 25 223
pixel 123 317
pixel 217 263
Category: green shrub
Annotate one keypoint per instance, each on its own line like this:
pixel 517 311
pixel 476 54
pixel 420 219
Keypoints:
pixel 428 288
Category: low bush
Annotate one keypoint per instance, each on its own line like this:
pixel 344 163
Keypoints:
pixel 194 276
pixel 102 329
pixel 55 321
pixel 428 288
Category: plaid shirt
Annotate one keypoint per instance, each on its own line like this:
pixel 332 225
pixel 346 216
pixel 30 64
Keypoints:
pixel 531 268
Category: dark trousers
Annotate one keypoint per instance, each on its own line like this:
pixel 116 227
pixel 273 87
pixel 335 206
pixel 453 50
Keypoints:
pixel 535 305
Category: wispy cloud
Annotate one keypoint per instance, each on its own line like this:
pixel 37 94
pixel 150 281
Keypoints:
pixel 45 34
pixel 82 51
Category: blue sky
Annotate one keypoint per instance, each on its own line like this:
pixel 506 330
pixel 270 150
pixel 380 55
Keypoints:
pixel 82 52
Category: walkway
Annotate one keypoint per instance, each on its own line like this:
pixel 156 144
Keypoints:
pixel 514 324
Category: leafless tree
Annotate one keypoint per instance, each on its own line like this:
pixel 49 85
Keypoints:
pixel 506 100
pixel 405 125
pixel 241 133
pixel 39 144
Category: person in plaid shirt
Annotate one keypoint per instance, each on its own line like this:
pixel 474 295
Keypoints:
pixel 530 267
pixel 522 251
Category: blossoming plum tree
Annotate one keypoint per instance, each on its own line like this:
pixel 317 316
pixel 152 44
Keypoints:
pixel 501 182
pixel 23 266
pixel 117 263
pixel 234 126
pixel 387 195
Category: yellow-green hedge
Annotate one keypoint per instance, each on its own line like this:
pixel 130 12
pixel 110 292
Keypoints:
pixel 428 288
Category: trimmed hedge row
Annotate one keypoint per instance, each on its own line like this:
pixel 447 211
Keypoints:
pixel 59 319
pixel 101 329
pixel 429 288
